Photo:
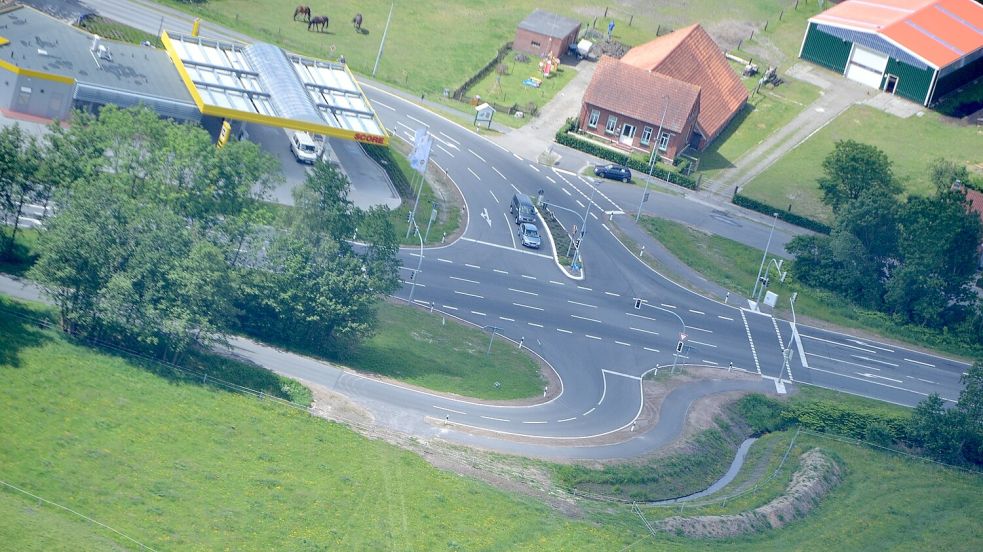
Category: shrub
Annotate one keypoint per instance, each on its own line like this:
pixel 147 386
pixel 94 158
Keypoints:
pixel 792 218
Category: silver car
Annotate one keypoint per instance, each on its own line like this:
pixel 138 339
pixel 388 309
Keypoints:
pixel 530 235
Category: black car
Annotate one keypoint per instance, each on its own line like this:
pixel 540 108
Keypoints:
pixel 614 172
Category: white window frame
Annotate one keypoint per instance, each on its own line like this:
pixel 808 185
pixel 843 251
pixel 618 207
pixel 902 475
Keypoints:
pixel 633 128
pixel 664 141
pixel 595 116
pixel 646 136
pixel 612 124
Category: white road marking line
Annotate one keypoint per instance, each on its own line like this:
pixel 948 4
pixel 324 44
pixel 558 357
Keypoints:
pixel 528 306
pixel 622 374
pixel 421 302
pixel 526 276
pixel 878 383
pixel 781 343
pixel 868 359
pixel 448 409
pixel 623 343
pixel 754 353
pixel 449 307
pixel 837 343
pixel 844 361
pixel 582 304
pixel 862 344
pixel 535 325
pixel 471 265
pixel 557 283
pixel 589 411
pixel 651 349
pixel 701 343
pixel 507 248
pixel 469 294
pixel 564 331
pixel 476 155
pixel 446 136
pixel 506 319
pixel 920 362
pixel 526 292
pixel 798 345
pixel 517 157
pixel 500 271
pixel 478 313
pixel 495 419
pixel 443 149
pixel 705 361
pixel 494 197
pixel 612 294
pixel 587 319
pixel 579 203
pixel 566 192
pixel 585 288
pixel 407 127
pixel 474 174
pixel 926 381
pixel 551 179
pixel 668 306
pixel 499 173
pixel 696 311
pixel 533 167
pixel 640 316
pixel 878 377
pixel 595 216
pixel 445 260
pixel 514 188
pixel 589 336
pixel 377 102
pixel 418 120
pixel 464 280
pixel 698 329
pixel 643 331
pixel 566 419
pixel 409 283
pixel 534 422
pixel 725 318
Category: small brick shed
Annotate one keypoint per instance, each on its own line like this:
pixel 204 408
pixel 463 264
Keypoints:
pixel 544 32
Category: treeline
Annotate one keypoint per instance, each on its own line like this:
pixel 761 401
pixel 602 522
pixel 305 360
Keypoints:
pixel 161 241
pixel 914 258
pixel 952 435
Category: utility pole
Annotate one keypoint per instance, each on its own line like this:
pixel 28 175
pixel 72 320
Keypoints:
pixel 754 292
pixel 382 43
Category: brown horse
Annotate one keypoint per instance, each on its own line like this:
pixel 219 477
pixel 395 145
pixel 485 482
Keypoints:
pixel 304 11
pixel 319 22
pixel 357 22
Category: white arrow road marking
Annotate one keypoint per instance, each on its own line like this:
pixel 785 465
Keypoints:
pixel 874 360
pixel 862 344
pixel 484 215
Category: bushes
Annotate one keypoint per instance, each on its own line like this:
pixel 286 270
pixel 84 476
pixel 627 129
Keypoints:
pixel 792 218
pixel 565 137
pixel 459 92
pixel 384 157
pixel 764 415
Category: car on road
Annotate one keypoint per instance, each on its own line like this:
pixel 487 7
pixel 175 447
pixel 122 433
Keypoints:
pixel 614 172
pixel 303 147
pixel 522 209
pixel 529 235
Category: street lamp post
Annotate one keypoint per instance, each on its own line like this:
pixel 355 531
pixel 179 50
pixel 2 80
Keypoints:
pixel 382 43
pixel 419 263
pixel 658 137
pixel 765 279
pixel 682 334
pixel 583 229
pixel 433 216
pixel 494 330
pixel 754 292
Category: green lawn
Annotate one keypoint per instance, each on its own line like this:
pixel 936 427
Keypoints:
pixel 735 266
pixel 508 89
pixel 418 347
pixel 911 144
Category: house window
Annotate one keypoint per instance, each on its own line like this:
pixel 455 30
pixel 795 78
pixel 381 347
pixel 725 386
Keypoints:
pixel 646 136
pixel 664 141
pixel 612 124
pixel 595 116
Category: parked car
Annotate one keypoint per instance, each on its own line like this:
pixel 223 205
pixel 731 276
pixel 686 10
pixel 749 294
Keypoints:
pixel 303 147
pixel 614 172
pixel 530 235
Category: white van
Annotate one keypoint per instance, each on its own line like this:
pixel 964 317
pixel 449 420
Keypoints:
pixel 303 147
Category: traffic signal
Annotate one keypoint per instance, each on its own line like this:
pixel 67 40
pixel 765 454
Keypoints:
pixel 679 346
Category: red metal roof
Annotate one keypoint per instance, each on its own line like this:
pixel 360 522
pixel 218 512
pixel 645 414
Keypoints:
pixel 690 55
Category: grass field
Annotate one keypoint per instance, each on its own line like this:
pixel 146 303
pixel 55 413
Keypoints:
pixel 735 266
pixel 508 89
pixel 416 347
pixel 911 144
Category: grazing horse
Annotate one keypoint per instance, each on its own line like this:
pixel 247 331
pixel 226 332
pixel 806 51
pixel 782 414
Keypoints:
pixel 304 11
pixel 319 22
pixel 357 22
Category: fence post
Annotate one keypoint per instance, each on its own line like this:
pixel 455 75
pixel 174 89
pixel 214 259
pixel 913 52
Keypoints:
pixel 605 11
pixel 630 19
pixel 780 14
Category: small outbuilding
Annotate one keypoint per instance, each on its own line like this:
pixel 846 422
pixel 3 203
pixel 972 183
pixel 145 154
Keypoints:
pixel 918 49
pixel 545 33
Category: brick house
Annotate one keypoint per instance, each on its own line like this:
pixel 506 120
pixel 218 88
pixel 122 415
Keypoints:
pixel 543 32
pixel 653 110
pixel 688 58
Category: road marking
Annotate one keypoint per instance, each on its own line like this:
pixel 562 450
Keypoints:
pixel 409 283
pixel 535 422
pixel 499 173
pixel 445 260
pixel 862 344
pixel 698 329
pixel 587 319
pixel 471 265
pixel 922 363
pixel 500 271
pixel 589 411
pixel 506 319
pixel 521 291
pixel 668 306
pixel 479 313
pixel 443 149
pixel 705 361
pixel 516 156
pixel 494 418
pixel 557 283
pixel 449 307
pixel 651 349
pixel 469 294
pixel 566 192
pixel 582 304
pixel 926 381
pixel 533 167
pixel 424 124
pixel 494 197
pixel 448 137
pixel 866 375
pixel 623 343
pixel 589 336
pixel 844 361
pixel 505 247
pixel 579 203
pixel 448 409
pixel 527 306
pixel 535 325
pixel 702 343
pixel 526 276
pixel 868 359
pixel 644 331
pixel 476 155
pixel 595 216
pixel 474 173
pixel 837 343
pixel 566 419
pixel 514 188
pixel 376 102
pixel 464 280
pixel 781 343
pixel 612 294
pixel 798 345
pixel 622 374
pixel 585 288
pixel 640 316
pixel 564 331
pixel 421 302
pixel 551 179
pixel 696 311
pixel 754 353
pixel 725 318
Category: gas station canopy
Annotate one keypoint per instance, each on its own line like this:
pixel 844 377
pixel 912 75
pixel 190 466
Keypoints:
pixel 260 83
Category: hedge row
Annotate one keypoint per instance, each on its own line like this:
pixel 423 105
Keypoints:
pixel 566 138
pixel 765 414
pixel 384 157
pixel 789 217
pixel 503 51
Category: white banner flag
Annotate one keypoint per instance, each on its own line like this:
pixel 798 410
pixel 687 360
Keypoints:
pixel 420 156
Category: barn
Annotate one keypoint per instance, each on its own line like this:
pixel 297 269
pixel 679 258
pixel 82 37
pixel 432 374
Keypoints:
pixel 917 49
pixel 544 32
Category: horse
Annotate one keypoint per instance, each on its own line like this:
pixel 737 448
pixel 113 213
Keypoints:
pixel 319 22
pixel 357 22
pixel 304 11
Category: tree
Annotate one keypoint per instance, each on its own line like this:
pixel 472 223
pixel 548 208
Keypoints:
pixel 936 430
pixel 19 155
pixel 944 173
pixel 853 168
pixel 873 219
pixel 840 263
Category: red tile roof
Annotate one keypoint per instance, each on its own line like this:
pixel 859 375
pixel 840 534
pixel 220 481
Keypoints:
pixel 639 94
pixel 975 199
pixel 690 55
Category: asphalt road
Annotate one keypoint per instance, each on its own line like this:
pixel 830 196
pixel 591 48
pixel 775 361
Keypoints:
pixel 590 331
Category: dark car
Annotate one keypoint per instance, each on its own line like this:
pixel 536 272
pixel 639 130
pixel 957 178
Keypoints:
pixel 614 172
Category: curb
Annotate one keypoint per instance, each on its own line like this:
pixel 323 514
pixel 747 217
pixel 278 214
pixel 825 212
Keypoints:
pixel 556 256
